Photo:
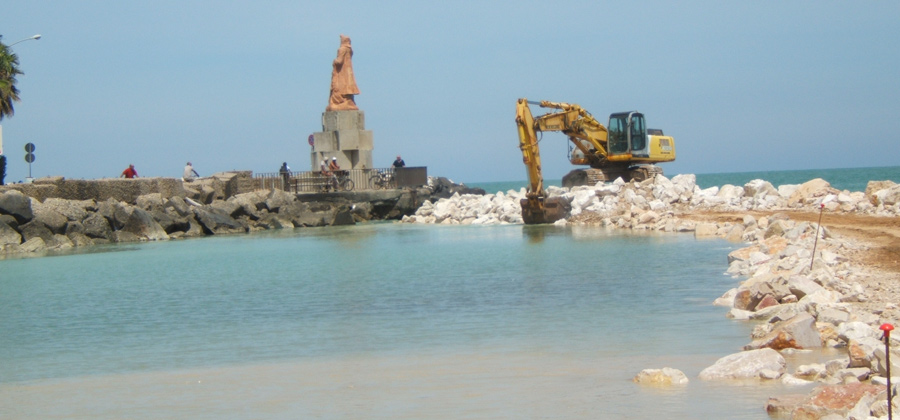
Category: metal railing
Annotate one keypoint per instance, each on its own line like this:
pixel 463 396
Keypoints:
pixel 313 181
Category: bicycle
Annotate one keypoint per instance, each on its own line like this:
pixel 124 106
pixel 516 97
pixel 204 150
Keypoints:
pixel 340 181
pixel 381 179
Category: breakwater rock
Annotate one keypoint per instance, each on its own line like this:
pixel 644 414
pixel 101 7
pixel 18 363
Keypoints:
pixel 57 214
pixel 806 287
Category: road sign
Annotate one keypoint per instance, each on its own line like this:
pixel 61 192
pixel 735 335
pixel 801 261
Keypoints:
pixel 29 157
pixel 29 147
pixel 312 140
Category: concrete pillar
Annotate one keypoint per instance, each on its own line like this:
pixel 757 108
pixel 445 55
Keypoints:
pixel 343 136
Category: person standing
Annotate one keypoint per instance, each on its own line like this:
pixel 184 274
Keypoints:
pixel 399 163
pixel 285 173
pixel 129 172
pixel 189 173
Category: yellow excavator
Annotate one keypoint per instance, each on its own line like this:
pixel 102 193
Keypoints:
pixel 625 148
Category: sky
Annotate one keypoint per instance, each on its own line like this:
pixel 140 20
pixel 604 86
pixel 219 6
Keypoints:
pixel 240 85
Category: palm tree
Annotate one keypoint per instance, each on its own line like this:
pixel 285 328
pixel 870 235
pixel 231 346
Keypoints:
pixel 9 69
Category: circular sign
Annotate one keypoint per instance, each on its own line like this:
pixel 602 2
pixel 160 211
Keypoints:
pixel 29 157
pixel 29 147
pixel 312 140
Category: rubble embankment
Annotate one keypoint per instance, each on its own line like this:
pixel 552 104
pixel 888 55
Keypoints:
pixel 56 215
pixel 807 286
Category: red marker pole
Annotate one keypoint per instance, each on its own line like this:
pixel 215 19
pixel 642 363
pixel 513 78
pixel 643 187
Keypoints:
pixel 887 328
pixel 812 259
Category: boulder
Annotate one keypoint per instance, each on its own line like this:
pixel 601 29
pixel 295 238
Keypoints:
pixel 874 186
pixel 279 198
pixel 9 236
pixel 9 221
pixel 801 286
pixel 115 212
pixel 342 217
pixel 232 209
pixel 782 405
pixel 35 244
pixel 54 220
pixel 215 221
pixel 661 377
pixel 36 229
pixel 59 242
pixel 705 230
pixel 798 332
pixel 276 221
pixel 179 205
pixel 833 399
pixel 833 315
pixel 97 226
pixel 79 239
pixel 888 196
pixel 16 204
pixel 744 365
pixel 170 223
pixel 123 236
pixel 74 210
pixel 142 224
pixel 206 194
pixel 810 191
pixel 74 226
pixel 152 201
pixel 758 188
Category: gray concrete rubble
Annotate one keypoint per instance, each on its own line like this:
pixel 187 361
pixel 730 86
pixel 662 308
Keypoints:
pixel 800 301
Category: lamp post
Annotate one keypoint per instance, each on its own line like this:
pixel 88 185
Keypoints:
pixel 34 37
pixel 7 48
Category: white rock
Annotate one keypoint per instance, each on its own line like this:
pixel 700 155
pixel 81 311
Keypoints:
pixel 855 330
pixel 792 380
pixel 747 364
pixel 661 377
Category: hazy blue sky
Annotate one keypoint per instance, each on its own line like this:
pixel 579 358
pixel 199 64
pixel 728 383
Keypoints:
pixel 741 86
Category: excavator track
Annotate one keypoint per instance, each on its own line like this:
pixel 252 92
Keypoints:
pixel 591 176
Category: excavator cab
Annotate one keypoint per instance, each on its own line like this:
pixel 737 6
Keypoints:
pixel 627 136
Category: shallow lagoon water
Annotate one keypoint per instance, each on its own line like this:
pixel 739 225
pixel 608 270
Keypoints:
pixel 374 321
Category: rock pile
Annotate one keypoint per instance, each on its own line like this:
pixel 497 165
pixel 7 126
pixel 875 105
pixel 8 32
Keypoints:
pixel 652 204
pixel 801 301
pixel 30 225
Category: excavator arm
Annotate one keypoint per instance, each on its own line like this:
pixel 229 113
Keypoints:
pixel 536 207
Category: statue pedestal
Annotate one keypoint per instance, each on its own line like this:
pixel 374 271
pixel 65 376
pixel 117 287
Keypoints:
pixel 343 136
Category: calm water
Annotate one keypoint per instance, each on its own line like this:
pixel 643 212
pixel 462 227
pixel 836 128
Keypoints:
pixel 850 179
pixel 374 321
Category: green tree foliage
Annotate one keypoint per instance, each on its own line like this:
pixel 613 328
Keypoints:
pixel 9 69
pixel 2 168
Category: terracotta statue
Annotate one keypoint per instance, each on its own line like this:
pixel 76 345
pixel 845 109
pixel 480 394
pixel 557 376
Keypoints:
pixel 343 84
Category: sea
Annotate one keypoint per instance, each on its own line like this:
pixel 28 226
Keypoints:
pixel 843 179
pixel 382 321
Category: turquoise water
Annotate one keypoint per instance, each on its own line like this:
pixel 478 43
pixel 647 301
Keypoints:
pixel 373 321
pixel 850 179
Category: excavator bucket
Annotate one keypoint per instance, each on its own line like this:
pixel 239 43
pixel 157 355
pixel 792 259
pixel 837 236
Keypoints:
pixel 535 212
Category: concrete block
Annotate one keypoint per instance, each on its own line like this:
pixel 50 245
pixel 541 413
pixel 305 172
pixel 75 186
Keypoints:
pixel 343 120
pixel 348 139
pixel 365 140
pixel 324 141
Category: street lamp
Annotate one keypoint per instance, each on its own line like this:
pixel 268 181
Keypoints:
pixel 34 37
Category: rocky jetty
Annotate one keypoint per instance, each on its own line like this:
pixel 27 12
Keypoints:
pixel 56 214
pixel 804 286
